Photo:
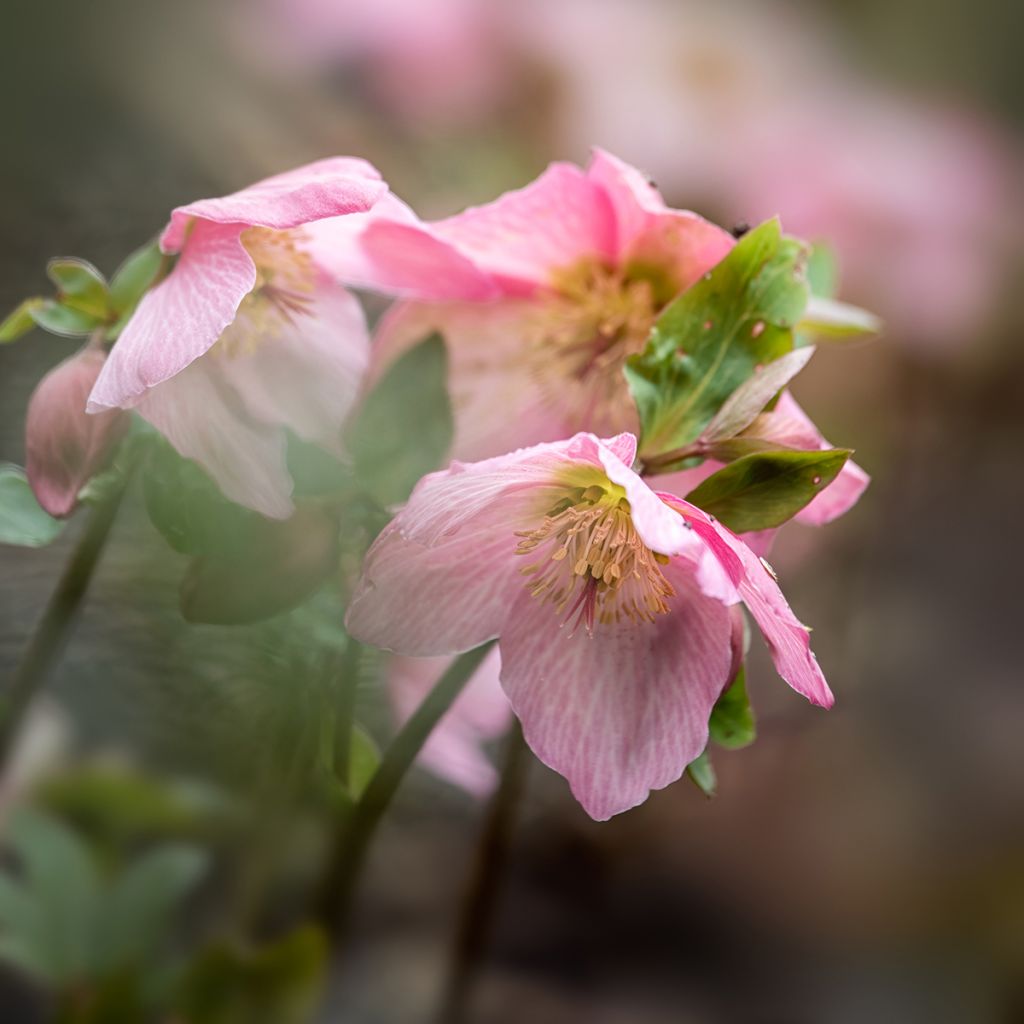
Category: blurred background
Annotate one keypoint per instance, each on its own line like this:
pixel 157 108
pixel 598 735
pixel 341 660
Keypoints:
pixel 864 865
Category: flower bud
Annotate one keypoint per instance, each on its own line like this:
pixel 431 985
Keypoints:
pixel 64 445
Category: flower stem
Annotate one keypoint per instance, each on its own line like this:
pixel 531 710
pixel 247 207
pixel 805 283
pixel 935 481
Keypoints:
pixel 399 756
pixel 478 904
pixel 53 630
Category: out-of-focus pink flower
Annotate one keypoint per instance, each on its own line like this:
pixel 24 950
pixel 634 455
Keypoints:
pixel 540 296
pixel 65 447
pixel 248 334
pixel 443 62
pixel 481 713
pixel 612 604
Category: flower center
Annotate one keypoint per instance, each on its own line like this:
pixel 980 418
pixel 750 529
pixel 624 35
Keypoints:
pixel 591 564
pixel 581 335
pixel 285 282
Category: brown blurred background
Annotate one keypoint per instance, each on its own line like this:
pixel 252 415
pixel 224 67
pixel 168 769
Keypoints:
pixel 861 865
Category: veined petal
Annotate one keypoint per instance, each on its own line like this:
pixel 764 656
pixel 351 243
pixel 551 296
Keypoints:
pixel 325 188
pixel 648 232
pixel 198 412
pixel 479 714
pixel 525 235
pixel 180 319
pixel 624 711
pixel 788 639
pixel 306 375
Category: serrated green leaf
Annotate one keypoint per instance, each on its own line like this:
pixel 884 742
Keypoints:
pixel 829 318
pixel 757 492
pixel 20 321
pixel 134 276
pixel 64 320
pixel 404 428
pixel 732 718
pixel 23 521
pixel 702 774
pixel 80 286
pixel 713 337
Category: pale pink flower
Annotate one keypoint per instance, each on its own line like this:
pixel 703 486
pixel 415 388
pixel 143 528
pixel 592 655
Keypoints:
pixel 612 605
pixel 540 296
pixel 65 447
pixel 480 714
pixel 248 334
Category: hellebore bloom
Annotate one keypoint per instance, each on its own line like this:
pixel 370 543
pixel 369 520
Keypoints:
pixel 248 334
pixel 65 447
pixel 540 295
pixel 612 605
pixel 481 713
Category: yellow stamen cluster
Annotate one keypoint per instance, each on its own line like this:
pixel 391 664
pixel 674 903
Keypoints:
pixel 594 318
pixel 285 282
pixel 592 563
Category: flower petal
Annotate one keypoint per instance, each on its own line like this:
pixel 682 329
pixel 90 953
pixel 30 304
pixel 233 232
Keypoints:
pixel 788 639
pixel 306 375
pixel 521 237
pixel 180 319
pixel 479 714
pixel 624 711
pixel 200 415
pixel 325 188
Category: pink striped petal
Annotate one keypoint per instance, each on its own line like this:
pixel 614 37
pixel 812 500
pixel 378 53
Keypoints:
pixel 523 236
pixel 624 711
pixel 180 319
pixel 326 188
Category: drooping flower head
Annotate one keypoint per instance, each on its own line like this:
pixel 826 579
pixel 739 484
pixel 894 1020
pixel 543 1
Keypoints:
pixel 612 604
pixel 248 333
pixel 540 295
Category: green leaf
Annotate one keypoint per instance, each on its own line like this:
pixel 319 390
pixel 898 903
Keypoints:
pixel 760 491
pixel 363 759
pixel 829 318
pixel 134 276
pixel 64 320
pixel 822 270
pixel 742 407
pixel 702 774
pixel 60 873
pixel 404 428
pixel 80 286
pixel 277 984
pixel 21 321
pixel 22 520
pixel 137 911
pixel 714 336
pixel 732 718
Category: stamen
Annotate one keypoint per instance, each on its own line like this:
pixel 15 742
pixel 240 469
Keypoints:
pixel 594 567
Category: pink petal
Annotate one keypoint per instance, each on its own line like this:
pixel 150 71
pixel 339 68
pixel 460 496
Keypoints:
pixel 649 232
pixel 180 319
pixel 481 713
pixel 522 237
pixel 389 249
pixel 326 188
pixel 788 639
pixel 626 710
pixel 199 413
pixel 307 374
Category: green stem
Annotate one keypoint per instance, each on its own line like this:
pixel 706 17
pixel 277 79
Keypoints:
pixel 53 630
pixel 398 758
pixel 478 904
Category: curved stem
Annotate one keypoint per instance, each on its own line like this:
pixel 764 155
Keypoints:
pixel 51 633
pixel 478 904
pixel 399 756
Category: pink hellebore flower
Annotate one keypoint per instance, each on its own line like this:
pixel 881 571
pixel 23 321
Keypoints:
pixel 540 296
pixel 65 448
pixel 481 713
pixel 611 603
pixel 248 334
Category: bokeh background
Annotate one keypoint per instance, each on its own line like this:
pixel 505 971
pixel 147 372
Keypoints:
pixel 861 865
